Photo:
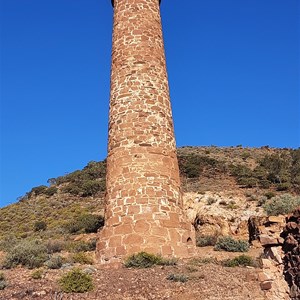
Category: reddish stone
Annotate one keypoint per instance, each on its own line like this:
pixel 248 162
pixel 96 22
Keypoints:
pixel 142 167
pixel 123 229
pixel 166 250
pixel 133 239
pixel 114 241
pixel 142 226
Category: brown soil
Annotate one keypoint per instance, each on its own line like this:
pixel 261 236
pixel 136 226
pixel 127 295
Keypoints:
pixel 206 282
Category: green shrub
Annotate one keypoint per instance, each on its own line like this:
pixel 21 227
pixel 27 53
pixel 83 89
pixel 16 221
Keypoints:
pixel 40 226
pixel 81 246
pixel 55 262
pixel 87 223
pixel 29 253
pixel 37 274
pixel 146 260
pixel 3 283
pixel 51 191
pixel 2 277
pixel 76 281
pixel 283 186
pixel 72 188
pixel 281 204
pixel 206 240
pixel 8 242
pixel 203 261
pixel 270 195
pixel 242 260
pixel 248 182
pixel 261 201
pixel 229 244
pixel 178 277
pixel 55 246
pixel 82 258
pixel 91 187
pixel 37 191
pixel 193 165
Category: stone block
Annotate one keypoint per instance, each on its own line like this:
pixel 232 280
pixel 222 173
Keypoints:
pixel 276 219
pixel 114 241
pixel 133 239
pixel 123 229
pixel 266 285
pixel 142 226
pixel 262 276
pixel 267 240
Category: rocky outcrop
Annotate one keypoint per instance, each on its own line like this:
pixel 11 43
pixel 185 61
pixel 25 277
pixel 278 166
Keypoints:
pixel 291 248
pixel 265 232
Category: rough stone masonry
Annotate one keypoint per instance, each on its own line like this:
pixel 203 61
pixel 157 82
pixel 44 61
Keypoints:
pixel 143 201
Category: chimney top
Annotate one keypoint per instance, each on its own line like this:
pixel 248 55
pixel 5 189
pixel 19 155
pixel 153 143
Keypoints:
pixel 112 2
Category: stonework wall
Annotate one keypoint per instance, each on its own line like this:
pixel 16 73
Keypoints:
pixel 144 202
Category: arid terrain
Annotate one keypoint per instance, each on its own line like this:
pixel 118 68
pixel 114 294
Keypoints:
pixel 223 188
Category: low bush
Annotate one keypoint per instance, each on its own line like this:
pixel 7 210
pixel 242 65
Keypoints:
pixel 38 190
pixel 55 262
pixel 203 261
pixel 87 223
pixel 81 246
pixel 51 191
pixel 281 204
pixel 37 274
pixel 178 277
pixel 3 283
pixel 40 226
pixel 8 242
pixel 285 186
pixel 146 260
pixel 206 240
pixel 262 200
pixel 270 195
pixel 242 260
pixel 55 246
pixel 76 281
pixel 29 253
pixel 229 244
pixel 82 258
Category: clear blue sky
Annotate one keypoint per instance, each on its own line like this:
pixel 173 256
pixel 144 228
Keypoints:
pixel 233 69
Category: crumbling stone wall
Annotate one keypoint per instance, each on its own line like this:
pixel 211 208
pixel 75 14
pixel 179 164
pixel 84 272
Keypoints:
pixel 144 202
pixel 291 248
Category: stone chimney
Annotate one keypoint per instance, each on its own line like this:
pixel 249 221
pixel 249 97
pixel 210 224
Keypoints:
pixel 143 200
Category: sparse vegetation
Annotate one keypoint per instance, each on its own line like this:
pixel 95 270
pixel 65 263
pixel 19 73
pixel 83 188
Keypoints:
pixel 81 246
pixel 40 226
pixel 82 258
pixel 37 274
pixel 193 165
pixel 76 281
pixel 178 277
pixel 147 260
pixel 29 253
pixel 202 261
pixel 86 223
pixel 55 262
pixel 206 240
pixel 281 204
pixel 229 244
pixel 242 260
pixel 3 283
pixel 55 246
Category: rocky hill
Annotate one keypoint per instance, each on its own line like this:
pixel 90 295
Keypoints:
pixel 223 188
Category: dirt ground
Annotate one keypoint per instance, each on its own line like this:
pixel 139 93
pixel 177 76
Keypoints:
pixel 206 282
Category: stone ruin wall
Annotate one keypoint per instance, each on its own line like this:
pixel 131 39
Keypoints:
pixel 143 201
